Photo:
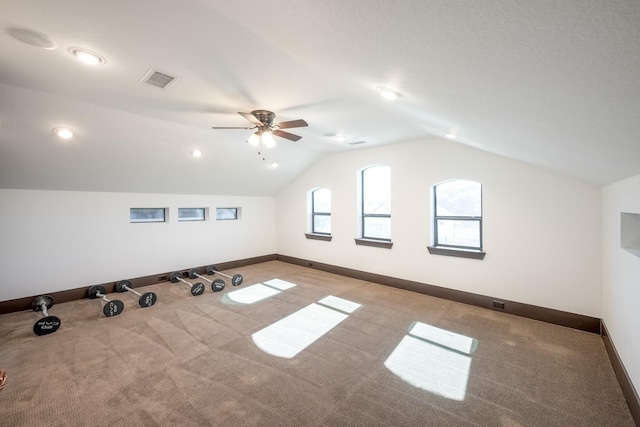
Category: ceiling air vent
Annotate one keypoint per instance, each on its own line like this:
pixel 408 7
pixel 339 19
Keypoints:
pixel 158 79
pixel 356 143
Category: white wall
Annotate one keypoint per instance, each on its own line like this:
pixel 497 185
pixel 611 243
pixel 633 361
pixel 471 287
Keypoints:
pixel 59 240
pixel 621 276
pixel 542 231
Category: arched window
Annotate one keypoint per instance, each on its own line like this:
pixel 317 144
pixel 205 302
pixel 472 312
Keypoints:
pixel 375 194
pixel 457 216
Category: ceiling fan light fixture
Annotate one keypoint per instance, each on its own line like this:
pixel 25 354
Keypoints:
pixel 254 139
pixel 267 140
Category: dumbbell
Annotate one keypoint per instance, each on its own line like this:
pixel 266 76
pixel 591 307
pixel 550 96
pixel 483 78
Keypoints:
pixel 112 307
pixel 146 300
pixel 216 285
pixel 48 324
pixel 236 280
pixel 196 288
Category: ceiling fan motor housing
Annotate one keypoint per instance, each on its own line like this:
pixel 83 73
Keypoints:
pixel 266 117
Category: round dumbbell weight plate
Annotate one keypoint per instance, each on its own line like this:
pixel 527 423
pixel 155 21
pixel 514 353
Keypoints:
pixel 122 286
pixel 46 325
pixel 217 285
pixel 95 289
pixel 211 269
pixel 147 299
pixel 197 289
pixel 113 308
pixel 193 273
pixel 236 280
pixel 36 304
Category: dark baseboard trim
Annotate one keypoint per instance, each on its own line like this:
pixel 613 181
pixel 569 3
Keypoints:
pixel 629 391
pixel 576 321
pixel 21 304
pixel 563 318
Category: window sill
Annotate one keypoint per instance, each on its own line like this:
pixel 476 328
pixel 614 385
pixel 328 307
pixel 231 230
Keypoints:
pixel 386 244
pixel 461 253
pixel 313 236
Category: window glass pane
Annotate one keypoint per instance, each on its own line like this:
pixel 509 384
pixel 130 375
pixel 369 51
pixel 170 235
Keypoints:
pixel 191 214
pixel 226 213
pixel 322 200
pixel 376 190
pixel 322 224
pixel 377 227
pixel 146 215
pixel 459 233
pixel 459 198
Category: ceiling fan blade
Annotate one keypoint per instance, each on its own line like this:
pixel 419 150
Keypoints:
pixel 287 135
pixel 227 127
pixel 292 124
pixel 251 118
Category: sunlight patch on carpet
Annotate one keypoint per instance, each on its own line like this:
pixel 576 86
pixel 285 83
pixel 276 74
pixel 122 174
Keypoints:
pixel 289 336
pixel 434 359
pixel 255 293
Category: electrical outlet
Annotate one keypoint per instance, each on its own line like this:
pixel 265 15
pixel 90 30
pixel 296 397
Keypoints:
pixel 309 264
pixel 163 278
pixel 498 304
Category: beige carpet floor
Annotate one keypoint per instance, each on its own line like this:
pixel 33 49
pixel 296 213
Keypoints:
pixel 192 361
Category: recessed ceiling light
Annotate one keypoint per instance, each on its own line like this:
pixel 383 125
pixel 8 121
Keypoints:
pixel 451 135
pixel 32 37
pixel 389 93
pixel 196 153
pixel 64 133
pixel 274 165
pixel 87 56
pixel 340 138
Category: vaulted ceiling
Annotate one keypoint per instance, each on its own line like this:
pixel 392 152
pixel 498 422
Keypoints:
pixel 551 83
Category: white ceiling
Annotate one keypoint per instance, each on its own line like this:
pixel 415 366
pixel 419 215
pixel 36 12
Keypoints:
pixel 552 83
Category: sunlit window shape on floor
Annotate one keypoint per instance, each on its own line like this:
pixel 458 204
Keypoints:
pixel 434 359
pixel 289 336
pixel 254 293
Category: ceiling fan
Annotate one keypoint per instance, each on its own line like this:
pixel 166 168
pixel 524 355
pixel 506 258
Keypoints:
pixel 263 121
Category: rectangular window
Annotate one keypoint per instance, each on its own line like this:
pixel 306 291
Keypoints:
pixel 377 227
pixel 227 213
pixel 191 214
pixel 458 215
pixel 321 211
pixel 459 233
pixel 376 203
pixel 322 223
pixel 147 215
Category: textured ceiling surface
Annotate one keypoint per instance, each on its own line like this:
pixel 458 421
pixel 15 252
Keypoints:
pixel 551 83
